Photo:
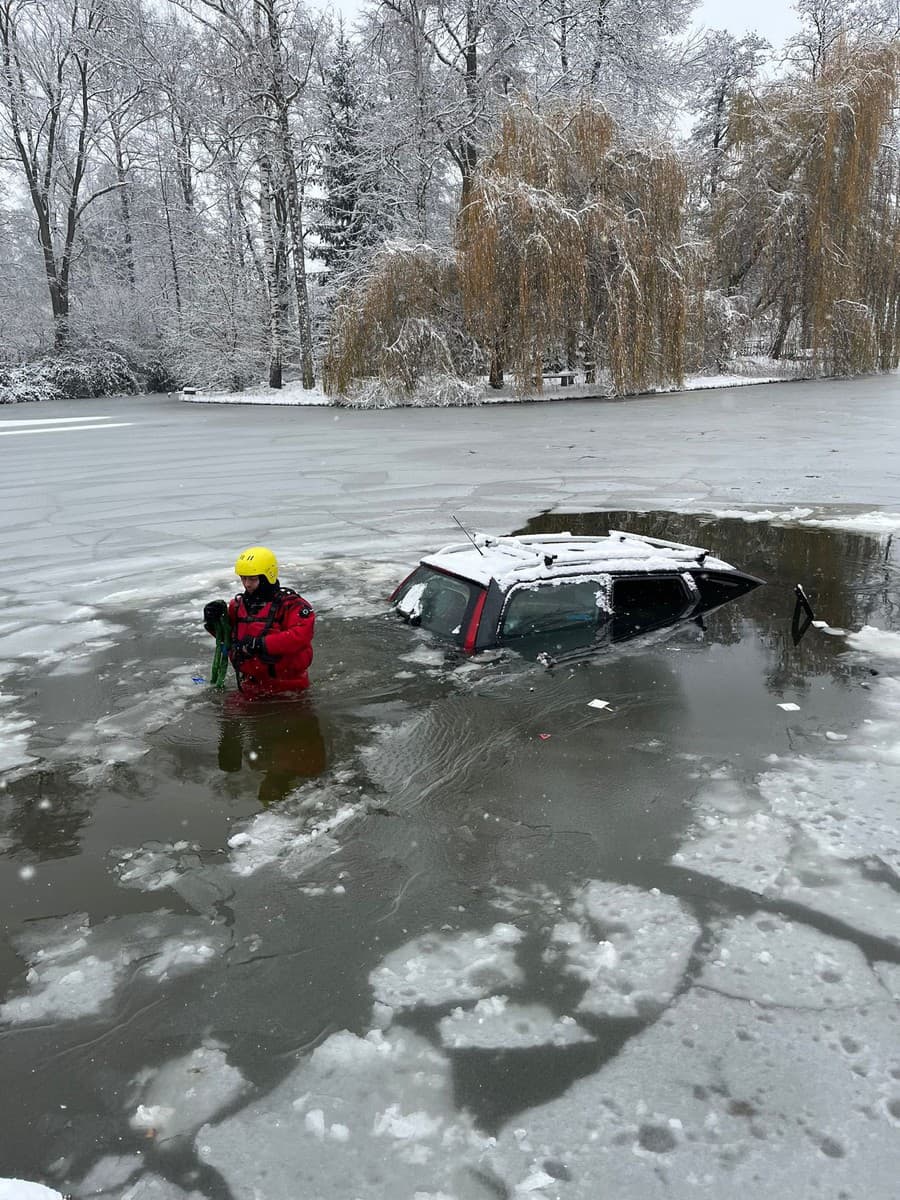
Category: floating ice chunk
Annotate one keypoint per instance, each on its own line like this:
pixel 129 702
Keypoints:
pixel 534 1183
pixel 630 946
pixel 153 1187
pixel 109 1174
pixel 156 865
pixel 881 643
pixel 437 969
pixel 789 706
pixel 494 1023
pixel 178 1097
pixel 314 1122
pixel 869 522
pixel 375 1118
pixel 74 969
pixel 14 733
pixel 294 843
pixel 773 961
pixel 21 1189
pixel 415 1126
pixel 764 514
pixel 426 656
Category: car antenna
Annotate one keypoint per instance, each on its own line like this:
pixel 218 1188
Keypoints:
pixel 468 535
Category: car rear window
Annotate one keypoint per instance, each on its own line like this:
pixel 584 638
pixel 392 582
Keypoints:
pixel 440 603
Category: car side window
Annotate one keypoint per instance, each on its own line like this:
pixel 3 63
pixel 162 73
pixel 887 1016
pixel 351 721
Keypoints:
pixel 644 603
pixel 554 607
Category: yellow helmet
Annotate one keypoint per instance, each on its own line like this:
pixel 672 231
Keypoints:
pixel 257 560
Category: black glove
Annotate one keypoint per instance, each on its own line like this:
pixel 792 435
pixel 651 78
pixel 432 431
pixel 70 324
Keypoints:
pixel 251 646
pixel 213 614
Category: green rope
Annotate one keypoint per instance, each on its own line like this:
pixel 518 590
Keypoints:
pixel 219 671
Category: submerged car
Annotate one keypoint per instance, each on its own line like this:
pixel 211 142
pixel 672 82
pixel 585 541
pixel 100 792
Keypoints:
pixel 562 591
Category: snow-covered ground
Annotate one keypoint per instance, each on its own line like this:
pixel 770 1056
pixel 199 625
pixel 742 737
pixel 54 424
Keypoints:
pixel 293 394
pixel 730 1026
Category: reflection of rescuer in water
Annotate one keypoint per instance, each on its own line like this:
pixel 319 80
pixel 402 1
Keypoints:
pixel 281 742
pixel 270 628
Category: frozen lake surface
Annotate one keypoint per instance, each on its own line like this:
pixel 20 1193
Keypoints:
pixel 444 931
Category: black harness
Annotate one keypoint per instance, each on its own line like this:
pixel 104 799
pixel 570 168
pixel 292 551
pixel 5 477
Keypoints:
pixel 276 604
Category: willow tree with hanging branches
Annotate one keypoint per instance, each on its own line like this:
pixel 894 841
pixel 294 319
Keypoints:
pixel 401 320
pixel 569 249
pixel 807 224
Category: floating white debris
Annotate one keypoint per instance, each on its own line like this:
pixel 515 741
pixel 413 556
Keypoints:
pixel 788 706
pixel 598 704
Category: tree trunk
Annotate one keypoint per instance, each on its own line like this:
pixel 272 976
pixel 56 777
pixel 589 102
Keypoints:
pixel 273 282
pixel 495 375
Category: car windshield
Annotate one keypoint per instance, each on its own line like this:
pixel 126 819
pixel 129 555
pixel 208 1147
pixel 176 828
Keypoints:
pixel 439 603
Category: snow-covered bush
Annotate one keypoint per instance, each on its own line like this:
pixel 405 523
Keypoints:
pixel 80 374
pixel 214 367
pixel 431 391
pixel 400 323
pixel 723 327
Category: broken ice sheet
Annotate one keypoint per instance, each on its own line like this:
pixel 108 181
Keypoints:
pixel 21 1189
pixel 177 1098
pixel 75 968
pixel 721 1098
pixel 630 946
pixel 435 969
pixel 495 1024
pixel 773 961
pixel 371 1117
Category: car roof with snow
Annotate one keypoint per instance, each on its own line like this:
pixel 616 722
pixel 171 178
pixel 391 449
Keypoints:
pixel 533 558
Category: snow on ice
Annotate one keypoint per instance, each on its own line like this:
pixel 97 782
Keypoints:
pixel 495 1024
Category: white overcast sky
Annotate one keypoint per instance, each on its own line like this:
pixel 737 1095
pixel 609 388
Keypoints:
pixel 774 20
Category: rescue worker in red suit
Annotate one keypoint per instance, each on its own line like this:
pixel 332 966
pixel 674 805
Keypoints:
pixel 271 628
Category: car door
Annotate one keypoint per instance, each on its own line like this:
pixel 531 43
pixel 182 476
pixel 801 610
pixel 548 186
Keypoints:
pixel 642 603
pixel 556 615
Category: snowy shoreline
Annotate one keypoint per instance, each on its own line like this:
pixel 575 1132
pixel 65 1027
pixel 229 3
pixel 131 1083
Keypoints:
pixel 294 395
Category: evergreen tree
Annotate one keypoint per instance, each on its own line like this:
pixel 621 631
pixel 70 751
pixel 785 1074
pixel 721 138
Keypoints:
pixel 350 220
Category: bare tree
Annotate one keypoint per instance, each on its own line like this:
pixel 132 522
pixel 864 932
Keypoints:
pixel 51 63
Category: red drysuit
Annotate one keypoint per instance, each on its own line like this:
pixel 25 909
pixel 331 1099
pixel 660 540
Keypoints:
pixel 285 623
